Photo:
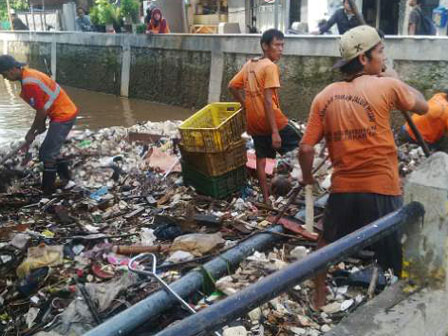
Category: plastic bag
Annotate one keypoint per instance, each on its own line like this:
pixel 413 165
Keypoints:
pixel 40 256
pixel 197 243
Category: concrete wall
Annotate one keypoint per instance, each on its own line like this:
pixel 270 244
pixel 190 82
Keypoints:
pixel 426 248
pixel 191 70
pixel 89 67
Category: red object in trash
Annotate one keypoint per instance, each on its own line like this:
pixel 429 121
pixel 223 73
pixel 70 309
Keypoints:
pixel 296 227
pixel 99 271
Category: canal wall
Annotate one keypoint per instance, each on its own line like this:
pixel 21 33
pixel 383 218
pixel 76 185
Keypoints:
pixel 191 70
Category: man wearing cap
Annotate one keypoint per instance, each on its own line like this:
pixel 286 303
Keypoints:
pixel 50 101
pixel 353 118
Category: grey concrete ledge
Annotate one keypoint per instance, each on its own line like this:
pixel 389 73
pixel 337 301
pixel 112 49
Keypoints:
pixel 393 313
pixel 415 48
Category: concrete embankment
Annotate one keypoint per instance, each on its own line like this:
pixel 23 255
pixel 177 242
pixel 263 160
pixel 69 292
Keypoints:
pixel 416 307
pixel 191 70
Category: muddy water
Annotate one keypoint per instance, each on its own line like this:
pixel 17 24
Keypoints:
pixel 97 110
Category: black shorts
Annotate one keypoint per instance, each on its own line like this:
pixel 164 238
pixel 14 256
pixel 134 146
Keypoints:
pixel 348 212
pixel 290 140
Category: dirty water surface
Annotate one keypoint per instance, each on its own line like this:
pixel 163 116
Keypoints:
pixel 96 110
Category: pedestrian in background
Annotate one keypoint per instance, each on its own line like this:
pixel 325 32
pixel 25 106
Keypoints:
pixel 269 127
pixel 148 13
pixel 83 22
pixel 157 24
pixel 419 24
pixel 17 23
pixel 344 18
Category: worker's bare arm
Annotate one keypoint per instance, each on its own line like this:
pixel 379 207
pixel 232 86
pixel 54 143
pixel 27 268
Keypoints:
pixel 37 126
pixel 237 94
pixel 420 106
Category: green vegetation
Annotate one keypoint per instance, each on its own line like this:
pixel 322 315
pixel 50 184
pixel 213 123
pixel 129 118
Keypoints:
pixel 129 10
pixel 17 5
pixel 104 13
pixel 141 28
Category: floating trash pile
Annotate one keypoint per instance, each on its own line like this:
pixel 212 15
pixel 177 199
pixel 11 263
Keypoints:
pixel 64 260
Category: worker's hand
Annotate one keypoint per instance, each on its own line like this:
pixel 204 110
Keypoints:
pixel 24 148
pixel 30 136
pixel 276 140
pixel 315 32
pixel 307 180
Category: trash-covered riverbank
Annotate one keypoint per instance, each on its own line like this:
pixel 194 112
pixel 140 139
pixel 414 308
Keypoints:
pixel 64 260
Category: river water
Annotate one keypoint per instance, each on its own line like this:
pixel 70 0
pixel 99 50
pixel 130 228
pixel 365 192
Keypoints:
pixel 96 110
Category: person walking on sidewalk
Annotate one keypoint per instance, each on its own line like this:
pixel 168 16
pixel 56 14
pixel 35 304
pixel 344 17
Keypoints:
pixel 433 126
pixel 269 127
pixel 353 118
pixel 344 18
pixel 50 101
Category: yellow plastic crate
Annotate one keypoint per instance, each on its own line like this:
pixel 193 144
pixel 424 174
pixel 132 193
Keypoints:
pixel 216 164
pixel 214 128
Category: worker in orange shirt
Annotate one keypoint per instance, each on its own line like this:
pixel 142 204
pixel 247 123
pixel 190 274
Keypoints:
pixel 353 116
pixel 433 126
pixel 259 80
pixel 50 101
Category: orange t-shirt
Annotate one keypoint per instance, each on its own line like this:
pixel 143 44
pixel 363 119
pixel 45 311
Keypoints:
pixel 433 124
pixel 256 76
pixel 43 93
pixel 156 30
pixel 353 117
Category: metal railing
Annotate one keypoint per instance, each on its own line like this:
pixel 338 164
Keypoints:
pixel 223 312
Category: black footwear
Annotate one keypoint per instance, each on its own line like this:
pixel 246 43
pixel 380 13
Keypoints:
pixel 48 180
pixel 63 171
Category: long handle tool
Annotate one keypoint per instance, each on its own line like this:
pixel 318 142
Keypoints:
pixel 417 134
pixel 295 192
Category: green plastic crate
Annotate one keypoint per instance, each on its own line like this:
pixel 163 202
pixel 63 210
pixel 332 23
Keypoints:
pixel 217 186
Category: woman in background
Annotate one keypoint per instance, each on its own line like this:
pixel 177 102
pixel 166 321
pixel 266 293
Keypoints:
pixel 157 24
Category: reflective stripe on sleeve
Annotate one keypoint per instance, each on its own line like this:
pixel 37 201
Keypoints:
pixel 51 94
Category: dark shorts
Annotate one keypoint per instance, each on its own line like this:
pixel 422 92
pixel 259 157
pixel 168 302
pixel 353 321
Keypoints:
pixel 290 141
pixel 348 212
pixel 56 135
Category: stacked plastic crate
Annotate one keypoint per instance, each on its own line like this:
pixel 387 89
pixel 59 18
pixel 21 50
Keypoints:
pixel 213 152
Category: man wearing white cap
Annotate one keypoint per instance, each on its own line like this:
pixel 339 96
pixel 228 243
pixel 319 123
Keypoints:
pixel 353 117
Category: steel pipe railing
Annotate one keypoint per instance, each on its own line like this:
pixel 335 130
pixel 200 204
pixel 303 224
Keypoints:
pixel 223 312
